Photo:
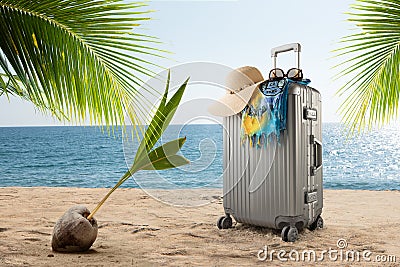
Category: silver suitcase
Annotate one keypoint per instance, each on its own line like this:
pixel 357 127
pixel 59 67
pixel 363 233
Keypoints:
pixel 289 192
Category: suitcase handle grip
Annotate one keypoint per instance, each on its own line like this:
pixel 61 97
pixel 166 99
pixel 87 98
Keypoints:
pixel 317 156
pixel 296 47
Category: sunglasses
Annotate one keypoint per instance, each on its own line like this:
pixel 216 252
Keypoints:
pixel 293 73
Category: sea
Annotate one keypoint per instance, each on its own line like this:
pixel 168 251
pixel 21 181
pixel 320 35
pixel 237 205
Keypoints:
pixel 78 156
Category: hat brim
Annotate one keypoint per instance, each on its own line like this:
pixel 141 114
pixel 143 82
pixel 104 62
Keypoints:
pixel 231 104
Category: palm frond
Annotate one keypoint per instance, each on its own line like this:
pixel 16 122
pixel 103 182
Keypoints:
pixel 373 71
pixel 79 59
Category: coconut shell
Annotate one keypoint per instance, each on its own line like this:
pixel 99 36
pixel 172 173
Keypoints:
pixel 73 232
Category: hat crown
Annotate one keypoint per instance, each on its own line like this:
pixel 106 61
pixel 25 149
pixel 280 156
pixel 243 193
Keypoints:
pixel 241 83
pixel 242 77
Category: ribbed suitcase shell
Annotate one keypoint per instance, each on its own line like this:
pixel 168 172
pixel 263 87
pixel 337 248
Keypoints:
pixel 282 197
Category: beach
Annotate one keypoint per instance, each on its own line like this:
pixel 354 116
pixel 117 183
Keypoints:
pixel 137 230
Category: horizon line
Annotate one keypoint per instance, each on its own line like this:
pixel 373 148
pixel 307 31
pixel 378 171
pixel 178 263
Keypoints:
pixel 88 125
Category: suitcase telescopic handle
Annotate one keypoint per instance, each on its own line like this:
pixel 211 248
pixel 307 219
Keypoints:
pixel 296 47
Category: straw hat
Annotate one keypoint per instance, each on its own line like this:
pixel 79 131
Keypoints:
pixel 241 84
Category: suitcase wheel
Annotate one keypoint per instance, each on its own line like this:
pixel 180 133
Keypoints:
pixel 289 233
pixel 219 222
pixel 320 223
pixel 317 224
pixel 284 233
pixel 292 234
pixel 224 222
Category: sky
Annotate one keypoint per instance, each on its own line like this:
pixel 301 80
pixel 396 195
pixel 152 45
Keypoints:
pixel 232 34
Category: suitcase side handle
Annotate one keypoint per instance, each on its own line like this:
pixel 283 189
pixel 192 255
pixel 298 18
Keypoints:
pixel 316 155
pixel 296 47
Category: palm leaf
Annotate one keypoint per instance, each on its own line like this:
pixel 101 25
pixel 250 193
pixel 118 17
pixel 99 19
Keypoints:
pixel 163 118
pixel 169 162
pixel 79 59
pixel 160 157
pixel 160 120
pixel 372 72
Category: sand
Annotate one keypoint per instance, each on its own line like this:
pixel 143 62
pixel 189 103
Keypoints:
pixel 137 230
